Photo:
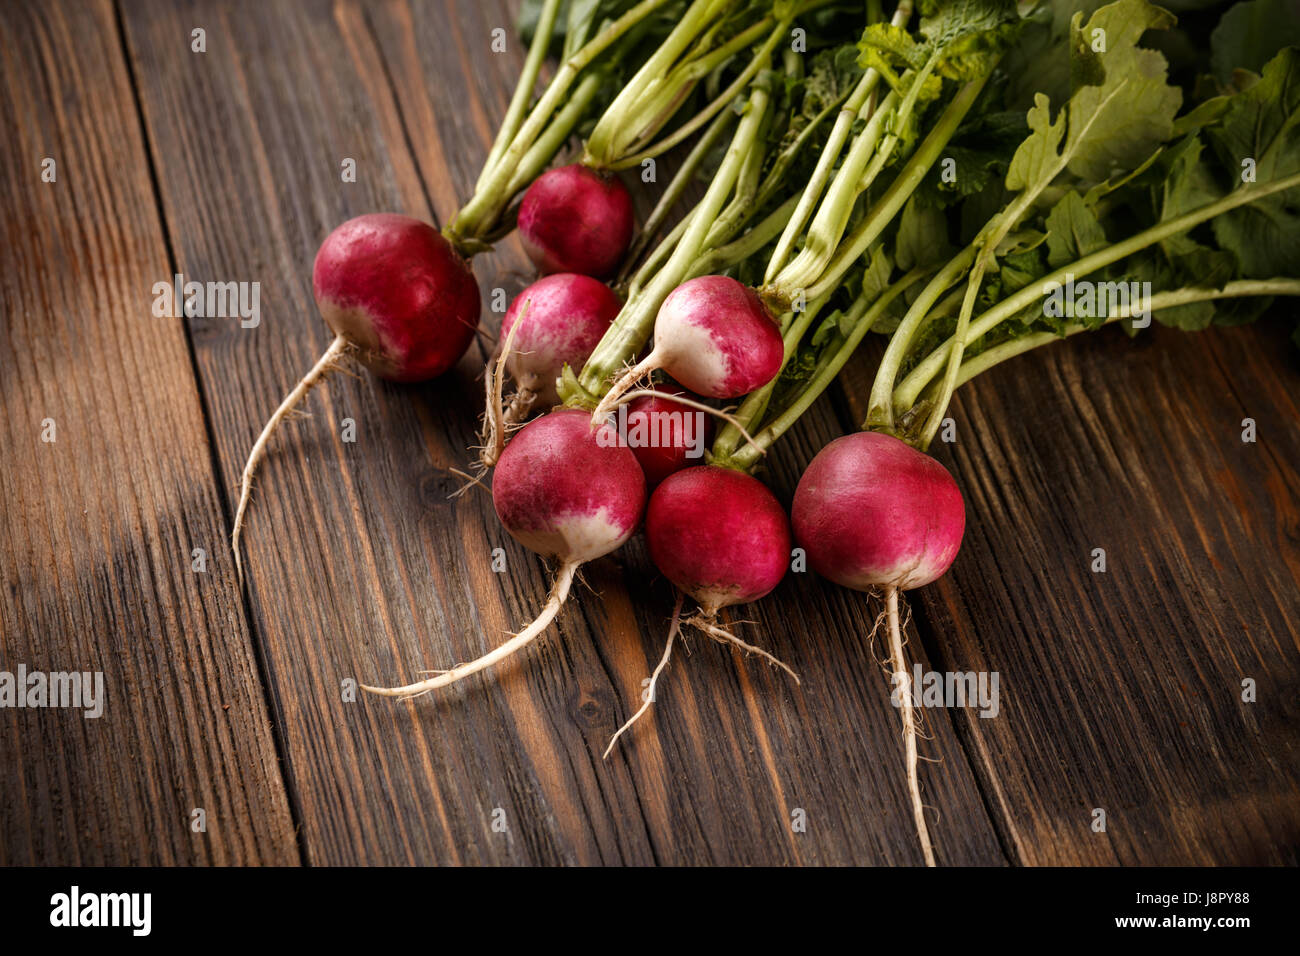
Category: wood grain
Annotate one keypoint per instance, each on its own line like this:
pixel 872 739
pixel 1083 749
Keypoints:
pixel 1120 690
pixel 98 526
pixel 361 567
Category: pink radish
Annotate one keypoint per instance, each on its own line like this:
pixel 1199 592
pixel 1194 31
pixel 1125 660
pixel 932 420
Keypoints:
pixel 399 299
pixel 575 219
pixel 565 491
pixel 563 317
pixel 720 536
pixel 873 512
pixel 674 438
pixel 712 334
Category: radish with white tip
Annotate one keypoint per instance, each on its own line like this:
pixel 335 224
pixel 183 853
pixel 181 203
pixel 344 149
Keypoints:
pixel 399 299
pixel 872 512
pixel 567 492
pixel 712 334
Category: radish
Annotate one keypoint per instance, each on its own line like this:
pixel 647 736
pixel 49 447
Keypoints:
pixel 399 299
pixel 563 317
pixel 665 435
pixel 553 323
pixel 565 491
pixel 712 334
pixel 721 537
pixel 575 219
pixel 872 512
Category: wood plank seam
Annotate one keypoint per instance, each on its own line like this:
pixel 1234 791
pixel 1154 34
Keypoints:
pixel 223 493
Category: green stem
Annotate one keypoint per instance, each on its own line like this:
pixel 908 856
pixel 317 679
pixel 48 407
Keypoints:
pixel 827 227
pixel 661 254
pixel 523 89
pixel 676 186
pixel 858 106
pixel 688 129
pixel 880 409
pixel 674 91
pixel 899 191
pixel 958 347
pixel 929 367
pixel 634 323
pixel 1161 300
pixel 479 214
pixel 776 175
pixel 722 257
pixel 548 144
pixel 603 145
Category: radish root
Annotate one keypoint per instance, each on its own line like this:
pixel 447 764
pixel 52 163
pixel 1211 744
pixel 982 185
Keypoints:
pixel 331 361
pixel 649 697
pixel 620 385
pixel 706 622
pixel 898 663
pixel 493 434
pixel 559 593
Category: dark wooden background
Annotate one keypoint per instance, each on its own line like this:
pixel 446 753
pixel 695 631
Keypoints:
pixel 1120 690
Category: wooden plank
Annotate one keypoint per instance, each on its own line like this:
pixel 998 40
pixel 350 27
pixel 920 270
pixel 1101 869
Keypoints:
pixel 360 567
pixel 1123 690
pixel 98 526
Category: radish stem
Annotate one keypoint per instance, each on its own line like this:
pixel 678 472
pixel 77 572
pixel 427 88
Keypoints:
pixel 523 89
pixel 882 398
pixel 997 354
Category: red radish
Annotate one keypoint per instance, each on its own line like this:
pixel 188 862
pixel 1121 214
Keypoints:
pixel 575 219
pixel 715 336
pixel 396 289
pixel 564 316
pixel 399 299
pixel 568 492
pixel 873 512
pixel 719 535
pixel 666 436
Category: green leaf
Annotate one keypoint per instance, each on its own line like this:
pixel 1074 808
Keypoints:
pixel 1072 231
pixel 1040 62
pixel 1119 122
pixel 969 35
pixel 1263 124
pixel 884 46
pixel 962 38
pixel 1251 34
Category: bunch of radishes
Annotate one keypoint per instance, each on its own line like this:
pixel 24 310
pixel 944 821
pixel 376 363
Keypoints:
pixel 809 234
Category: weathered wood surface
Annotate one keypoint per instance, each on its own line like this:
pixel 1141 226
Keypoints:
pixel 1120 691
pixel 98 526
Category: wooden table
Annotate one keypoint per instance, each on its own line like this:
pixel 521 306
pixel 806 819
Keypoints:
pixel 1120 691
